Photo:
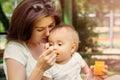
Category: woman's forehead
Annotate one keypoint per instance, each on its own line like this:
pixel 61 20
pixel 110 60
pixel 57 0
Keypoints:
pixel 45 21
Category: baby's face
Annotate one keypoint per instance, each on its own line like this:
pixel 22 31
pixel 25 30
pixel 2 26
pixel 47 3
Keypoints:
pixel 62 43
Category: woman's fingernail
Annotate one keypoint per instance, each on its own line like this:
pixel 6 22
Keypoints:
pixel 47 46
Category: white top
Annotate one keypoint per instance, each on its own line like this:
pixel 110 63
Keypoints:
pixel 20 53
pixel 68 71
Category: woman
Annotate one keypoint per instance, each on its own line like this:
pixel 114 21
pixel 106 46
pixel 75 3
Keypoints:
pixel 30 25
pixel 25 57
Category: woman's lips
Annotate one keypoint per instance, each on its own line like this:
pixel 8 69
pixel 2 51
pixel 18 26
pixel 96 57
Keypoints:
pixel 45 39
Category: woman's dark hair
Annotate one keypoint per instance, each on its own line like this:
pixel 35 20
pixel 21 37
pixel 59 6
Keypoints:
pixel 26 13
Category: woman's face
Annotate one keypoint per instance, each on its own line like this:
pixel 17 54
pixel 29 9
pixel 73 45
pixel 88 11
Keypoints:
pixel 41 29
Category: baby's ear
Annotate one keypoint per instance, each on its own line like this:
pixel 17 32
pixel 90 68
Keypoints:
pixel 74 47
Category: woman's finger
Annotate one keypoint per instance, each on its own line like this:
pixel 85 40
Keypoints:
pixel 48 51
pixel 105 71
pixel 51 58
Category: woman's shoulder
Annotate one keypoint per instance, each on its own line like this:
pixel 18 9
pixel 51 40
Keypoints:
pixel 15 43
pixel 16 51
pixel 14 47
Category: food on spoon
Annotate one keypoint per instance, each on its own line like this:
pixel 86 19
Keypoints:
pixel 47 46
pixel 56 53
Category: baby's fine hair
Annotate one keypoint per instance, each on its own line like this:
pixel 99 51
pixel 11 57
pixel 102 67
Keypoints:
pixel 72 32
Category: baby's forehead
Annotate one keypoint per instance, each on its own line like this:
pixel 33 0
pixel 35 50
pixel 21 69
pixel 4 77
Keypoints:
pixel 62 33
pixel 62 29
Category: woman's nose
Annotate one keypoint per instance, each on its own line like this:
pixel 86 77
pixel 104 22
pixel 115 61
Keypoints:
pixel 47 31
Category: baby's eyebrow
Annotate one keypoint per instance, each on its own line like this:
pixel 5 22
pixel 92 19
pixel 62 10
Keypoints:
pixel 59 41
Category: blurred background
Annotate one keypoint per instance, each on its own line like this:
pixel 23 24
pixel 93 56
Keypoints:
pixel 97 22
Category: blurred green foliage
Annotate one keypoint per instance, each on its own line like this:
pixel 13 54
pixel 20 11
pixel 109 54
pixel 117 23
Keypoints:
pixel 1 60
pixel 7 6
pixel 6 10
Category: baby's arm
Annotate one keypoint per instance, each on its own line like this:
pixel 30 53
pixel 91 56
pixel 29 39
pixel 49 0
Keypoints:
pixel 46 78
pixel 85 69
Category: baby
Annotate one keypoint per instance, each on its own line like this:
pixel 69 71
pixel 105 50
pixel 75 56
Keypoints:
pixel 69 63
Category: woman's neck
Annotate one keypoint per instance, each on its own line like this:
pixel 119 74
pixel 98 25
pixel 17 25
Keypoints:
pixel 35 48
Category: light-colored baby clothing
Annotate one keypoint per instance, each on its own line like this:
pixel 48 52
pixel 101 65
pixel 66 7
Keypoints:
pixel 69 71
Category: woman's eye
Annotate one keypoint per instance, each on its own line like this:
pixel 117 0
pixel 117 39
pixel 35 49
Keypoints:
pixel 51 26
pixel 40 30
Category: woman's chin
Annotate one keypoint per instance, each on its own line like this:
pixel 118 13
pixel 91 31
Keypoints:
pixel 44 41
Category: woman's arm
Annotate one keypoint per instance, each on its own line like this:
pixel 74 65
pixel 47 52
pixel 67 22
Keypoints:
pixel 15 70
pixel 45 61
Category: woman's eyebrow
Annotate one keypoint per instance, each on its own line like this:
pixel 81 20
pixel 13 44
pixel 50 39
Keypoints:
pixel 44 26
pixel 39 26
pixel 52 23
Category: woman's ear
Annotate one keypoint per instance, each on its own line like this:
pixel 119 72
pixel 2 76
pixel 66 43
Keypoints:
pixel 74 47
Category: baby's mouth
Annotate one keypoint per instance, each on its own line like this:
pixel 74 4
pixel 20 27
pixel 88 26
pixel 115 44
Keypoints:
pixel 47 47
pixel 57 53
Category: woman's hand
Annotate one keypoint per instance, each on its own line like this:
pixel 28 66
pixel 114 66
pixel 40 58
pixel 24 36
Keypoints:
pixel 47 59
pixel 92 76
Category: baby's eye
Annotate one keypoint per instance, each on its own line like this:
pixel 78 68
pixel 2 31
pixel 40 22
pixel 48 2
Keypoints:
pixel 60 44
pixel 50 44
